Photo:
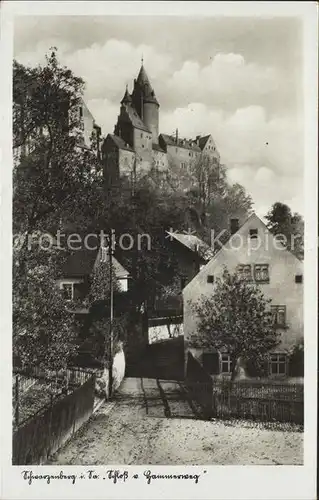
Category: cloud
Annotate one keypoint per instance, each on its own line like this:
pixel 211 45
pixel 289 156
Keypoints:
pixel 264 155
pixel 227 80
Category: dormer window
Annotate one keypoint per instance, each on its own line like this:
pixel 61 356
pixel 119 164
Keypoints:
pixel 253 233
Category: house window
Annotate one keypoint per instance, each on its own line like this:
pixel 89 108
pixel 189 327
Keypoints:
pixel 225 363
pixel 244 271
pixel 142 145
pixel 278 364
pixel 67 290
pixel 141 134
pixel 298 278
pixel 279 315
pixel 210 278
pixel 261 273
pixel 183 165
pixel 253 233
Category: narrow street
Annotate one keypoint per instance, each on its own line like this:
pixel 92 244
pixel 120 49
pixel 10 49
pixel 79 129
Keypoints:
pixel 151 422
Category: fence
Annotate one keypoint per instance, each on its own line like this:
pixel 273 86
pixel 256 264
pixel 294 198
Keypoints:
pixel 46 431
pixel 265 401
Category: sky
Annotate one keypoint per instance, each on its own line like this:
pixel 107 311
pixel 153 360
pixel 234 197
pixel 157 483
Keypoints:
pixel 239 79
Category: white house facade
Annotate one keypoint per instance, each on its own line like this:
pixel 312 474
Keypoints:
pixel 260 257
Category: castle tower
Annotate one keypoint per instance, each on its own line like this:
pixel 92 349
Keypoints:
pixel 145 103
pixel 127 99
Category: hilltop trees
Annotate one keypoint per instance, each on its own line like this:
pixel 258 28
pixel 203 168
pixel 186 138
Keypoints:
pixel 288 226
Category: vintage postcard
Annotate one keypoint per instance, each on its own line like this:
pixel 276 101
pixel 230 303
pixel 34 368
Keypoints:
pixel 158 220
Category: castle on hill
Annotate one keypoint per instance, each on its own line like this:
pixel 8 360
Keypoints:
pixel 136 145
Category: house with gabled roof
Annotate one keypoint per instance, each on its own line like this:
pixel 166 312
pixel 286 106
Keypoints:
pixel 260 258
pixel 78 269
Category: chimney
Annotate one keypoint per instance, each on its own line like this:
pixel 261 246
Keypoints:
pixel 234 225
pixel 197 140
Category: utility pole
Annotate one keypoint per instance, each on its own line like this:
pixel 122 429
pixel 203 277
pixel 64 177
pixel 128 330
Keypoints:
pixel 111 290
pixel 17 401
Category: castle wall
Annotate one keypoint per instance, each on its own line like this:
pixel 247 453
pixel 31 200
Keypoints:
pixel 181 157
pixel 110 155
pixel 160 160
pixel 211 150
pixel 142 144
pixel 126 162
pixel 87 121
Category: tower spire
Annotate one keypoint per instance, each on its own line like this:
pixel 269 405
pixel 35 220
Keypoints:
pixel 127 98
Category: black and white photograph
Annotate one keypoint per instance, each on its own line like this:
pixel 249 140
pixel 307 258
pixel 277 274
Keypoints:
pixel 159 245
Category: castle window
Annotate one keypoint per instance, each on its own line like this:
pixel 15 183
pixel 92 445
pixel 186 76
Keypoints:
pixel 298 278
pixel 141 134
pixel 81 111
pixel 210 278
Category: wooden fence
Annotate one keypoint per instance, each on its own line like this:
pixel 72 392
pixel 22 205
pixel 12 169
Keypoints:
pixel 251 399
pixel 45 432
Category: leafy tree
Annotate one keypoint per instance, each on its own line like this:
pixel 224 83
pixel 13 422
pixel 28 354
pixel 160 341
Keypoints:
pixel 51 170
pixel 43 331
pixel 100 284
pixel 287 225
pixel 97 342
pixel 297 360
pixel 237 319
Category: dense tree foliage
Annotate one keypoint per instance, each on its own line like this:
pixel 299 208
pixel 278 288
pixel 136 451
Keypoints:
pixel 288 226
pixel 236 318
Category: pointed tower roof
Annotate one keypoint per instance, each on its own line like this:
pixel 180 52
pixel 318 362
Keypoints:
pixel 144 84
pixel 142 78
pixel 127 99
